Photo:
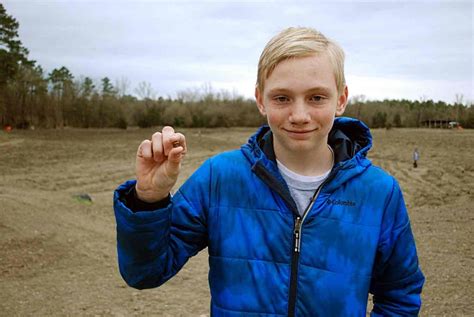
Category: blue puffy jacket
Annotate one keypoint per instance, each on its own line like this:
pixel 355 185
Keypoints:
pixel 264 259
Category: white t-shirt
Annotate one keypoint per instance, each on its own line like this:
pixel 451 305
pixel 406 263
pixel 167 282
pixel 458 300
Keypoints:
pixel 301 187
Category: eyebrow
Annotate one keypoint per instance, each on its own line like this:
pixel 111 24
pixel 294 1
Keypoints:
pixel 320 89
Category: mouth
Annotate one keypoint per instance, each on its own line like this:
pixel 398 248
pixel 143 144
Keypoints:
pixel 299 134
pixel 299 131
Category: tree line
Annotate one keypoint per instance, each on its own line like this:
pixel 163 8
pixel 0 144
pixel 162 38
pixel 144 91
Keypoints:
pixel 408 113
pixel 31 97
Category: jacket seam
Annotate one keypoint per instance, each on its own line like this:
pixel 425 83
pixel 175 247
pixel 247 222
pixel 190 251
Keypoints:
pixel 246 208
pixel 245 311
pixel 188 202
pixel 130 224
pixel 338 273
pixel 400 281
pixel 248 259
pixel 348 222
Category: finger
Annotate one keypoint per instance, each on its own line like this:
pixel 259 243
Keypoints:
pixel 144 150
pixel 177 154
pixel 157 146
pixel 178 140
pixel 175 158
pixel 167 134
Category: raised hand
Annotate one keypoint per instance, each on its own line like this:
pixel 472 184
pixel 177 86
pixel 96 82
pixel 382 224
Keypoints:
pixel 158 164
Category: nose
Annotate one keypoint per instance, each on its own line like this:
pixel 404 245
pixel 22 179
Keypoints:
pixel 299 113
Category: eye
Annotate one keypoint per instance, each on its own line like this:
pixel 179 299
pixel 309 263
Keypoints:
pixel 281 99
pixel 317 98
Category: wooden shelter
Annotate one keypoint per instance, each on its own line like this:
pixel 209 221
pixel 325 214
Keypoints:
pixel 440 123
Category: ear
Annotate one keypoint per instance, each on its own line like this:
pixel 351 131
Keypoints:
pixel 259 100
pixel 342 102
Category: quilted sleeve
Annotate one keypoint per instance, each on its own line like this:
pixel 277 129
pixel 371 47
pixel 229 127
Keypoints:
pixel 153 246
pixel 397 280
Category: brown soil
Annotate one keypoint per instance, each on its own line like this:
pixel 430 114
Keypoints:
pixel 57 253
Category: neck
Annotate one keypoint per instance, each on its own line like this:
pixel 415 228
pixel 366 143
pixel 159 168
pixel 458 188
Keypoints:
pixel 310 163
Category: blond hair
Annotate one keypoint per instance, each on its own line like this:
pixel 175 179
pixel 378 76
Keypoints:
pixel 300 42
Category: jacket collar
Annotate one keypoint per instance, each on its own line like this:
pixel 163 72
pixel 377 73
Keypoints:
pixel 348 138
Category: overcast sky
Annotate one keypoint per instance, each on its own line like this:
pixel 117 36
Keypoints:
pixel 394 49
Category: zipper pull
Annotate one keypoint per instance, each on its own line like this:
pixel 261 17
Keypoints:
pixel 297 234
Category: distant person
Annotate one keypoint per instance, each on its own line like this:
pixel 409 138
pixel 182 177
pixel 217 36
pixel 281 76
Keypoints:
pixel 416 157
pixel 297 222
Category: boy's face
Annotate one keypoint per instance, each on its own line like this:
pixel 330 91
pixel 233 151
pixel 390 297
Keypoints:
pixel 300 101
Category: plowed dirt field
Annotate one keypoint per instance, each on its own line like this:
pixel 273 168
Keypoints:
pixel 57 252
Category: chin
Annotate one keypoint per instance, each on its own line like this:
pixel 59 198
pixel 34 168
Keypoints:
pixel 301 145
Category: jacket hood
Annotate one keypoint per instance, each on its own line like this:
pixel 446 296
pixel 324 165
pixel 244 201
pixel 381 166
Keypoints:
pixel 349 138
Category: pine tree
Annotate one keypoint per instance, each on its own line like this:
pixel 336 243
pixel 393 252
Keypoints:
pixel 63 90
pixel 12 52
pixel 107 88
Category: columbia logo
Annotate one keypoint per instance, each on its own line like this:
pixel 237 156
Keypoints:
pixel 341 202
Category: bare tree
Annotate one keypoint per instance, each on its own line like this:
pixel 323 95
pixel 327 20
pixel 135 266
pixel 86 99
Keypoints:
pixel 189 95
pixel 122 85
pixel 357 101
pixel 458 104
pixel 144 90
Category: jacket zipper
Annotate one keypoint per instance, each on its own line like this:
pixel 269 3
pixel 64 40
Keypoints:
pixel 270 181
pixel 297 230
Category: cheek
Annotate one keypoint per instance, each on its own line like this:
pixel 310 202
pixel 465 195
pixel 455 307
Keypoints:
pixel 275 118
pixel 272 120
pixel 329 116
pixel 329 125
pixel 324 115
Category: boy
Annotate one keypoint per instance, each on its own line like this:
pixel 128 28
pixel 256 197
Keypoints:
pixel 297 222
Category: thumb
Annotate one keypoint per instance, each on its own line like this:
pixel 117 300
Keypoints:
pixel 175 157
